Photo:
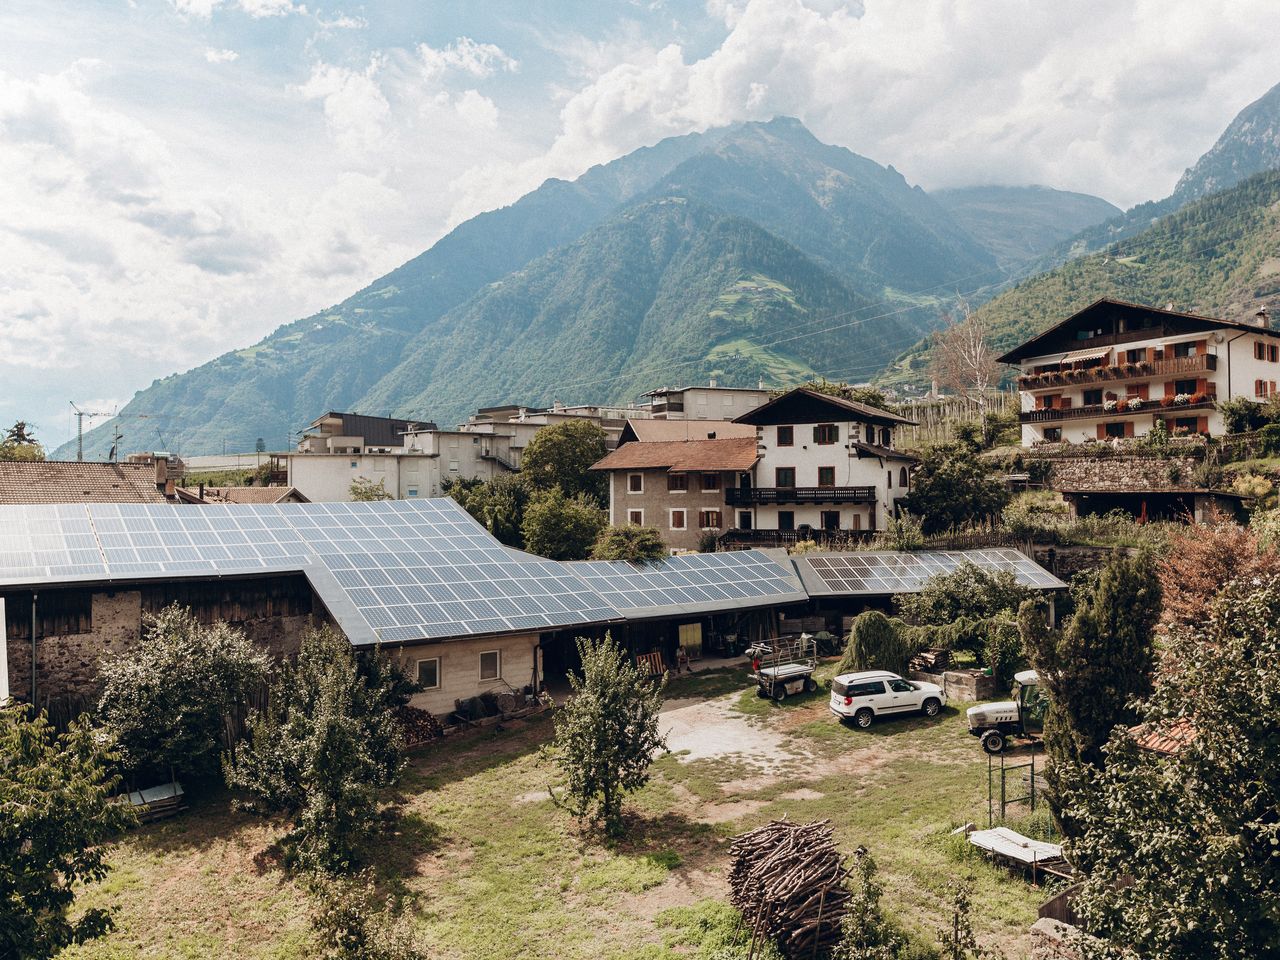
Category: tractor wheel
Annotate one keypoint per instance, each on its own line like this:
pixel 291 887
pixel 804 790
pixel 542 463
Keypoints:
pixel 863 718
pixel 993 742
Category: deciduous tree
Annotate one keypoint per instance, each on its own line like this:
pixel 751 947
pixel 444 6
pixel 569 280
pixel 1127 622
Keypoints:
pixel 637 544
pixel 562 528
pixel 968 592
pixel 1203 560
pixel 499 504
pixel 962 357
pixel 19 443
pixel 175 701
pixel 874 643
pixel 562 455
pixel 866 932
pixel 326 743
pixel 364 490
pixel 1179 850
pixel 951 487
pixel 606 733
pixel 58 806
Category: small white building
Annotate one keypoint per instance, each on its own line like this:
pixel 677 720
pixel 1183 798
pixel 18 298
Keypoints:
pixel 824 465
pixel 1114 369
pixel 712 402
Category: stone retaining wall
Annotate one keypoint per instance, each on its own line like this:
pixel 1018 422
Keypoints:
pixel 963 686
pixel 1119 473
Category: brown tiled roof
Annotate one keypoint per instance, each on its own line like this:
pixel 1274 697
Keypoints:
pixel 1169 740
pixel 57 481
pixel 247 494
pixel 738 453
pixel 650 431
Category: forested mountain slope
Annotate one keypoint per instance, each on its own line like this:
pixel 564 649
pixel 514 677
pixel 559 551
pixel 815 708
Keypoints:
pixel 669 290
pixel 1218 256
pixel 1019 223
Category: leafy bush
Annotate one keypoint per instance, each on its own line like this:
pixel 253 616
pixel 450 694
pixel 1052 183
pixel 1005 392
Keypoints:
pixel 875 643
pixel 364 490
pixel 606 733
pixel 498 504
pixel 1252 485
pixel 177 699
pixel 867 932
pixel 327 742
pixel 904 532
pixel 352 924
pixel 1265 525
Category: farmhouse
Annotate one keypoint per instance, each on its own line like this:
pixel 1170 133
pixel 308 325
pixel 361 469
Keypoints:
pixel 1114 369
pixel 463 613
pixel 827 469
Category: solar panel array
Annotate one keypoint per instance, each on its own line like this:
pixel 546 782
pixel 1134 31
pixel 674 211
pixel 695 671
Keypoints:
pixel 887 573
pixel 413 569
pixel 704 580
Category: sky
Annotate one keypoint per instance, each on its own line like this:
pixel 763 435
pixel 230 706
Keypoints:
pixel 180 177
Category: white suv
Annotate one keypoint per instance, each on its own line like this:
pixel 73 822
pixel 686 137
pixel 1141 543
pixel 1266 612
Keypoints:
pixel 865 696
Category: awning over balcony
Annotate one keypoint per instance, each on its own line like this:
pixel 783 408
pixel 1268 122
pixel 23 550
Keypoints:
pixel 1095 353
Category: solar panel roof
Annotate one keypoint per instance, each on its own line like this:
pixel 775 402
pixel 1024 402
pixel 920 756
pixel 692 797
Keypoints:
pixel 882 572
pixel 407 569
pixel 702 582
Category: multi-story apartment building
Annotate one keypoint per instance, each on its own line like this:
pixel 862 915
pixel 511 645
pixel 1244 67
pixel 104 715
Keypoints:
pixel 712 402
pixel 415 459
pixel 823 464
pixel 335 432
pixel 1115 369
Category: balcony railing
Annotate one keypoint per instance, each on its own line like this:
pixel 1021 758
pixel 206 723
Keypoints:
pixel 743 497
pixel 1170 366
pixel 833 539
pixel 1098 411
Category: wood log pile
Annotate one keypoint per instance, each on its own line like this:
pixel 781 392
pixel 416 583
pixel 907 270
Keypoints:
pixel 931 661
pixel 419 726
pixel 789 883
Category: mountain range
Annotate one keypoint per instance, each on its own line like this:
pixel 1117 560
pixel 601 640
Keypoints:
pixel 748 252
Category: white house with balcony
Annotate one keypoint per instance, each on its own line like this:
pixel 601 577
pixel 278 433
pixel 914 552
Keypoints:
pixel 1115 369
pixel 825 466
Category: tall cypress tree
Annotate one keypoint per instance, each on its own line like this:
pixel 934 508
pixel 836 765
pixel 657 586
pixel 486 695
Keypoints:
pixel 1095 667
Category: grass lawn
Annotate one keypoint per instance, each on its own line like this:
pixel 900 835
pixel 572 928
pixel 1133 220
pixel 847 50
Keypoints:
pixel 494 869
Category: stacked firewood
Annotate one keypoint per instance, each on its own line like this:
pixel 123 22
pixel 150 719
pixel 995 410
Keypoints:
pixel 418 725
pixel 788 881
pixel 931 661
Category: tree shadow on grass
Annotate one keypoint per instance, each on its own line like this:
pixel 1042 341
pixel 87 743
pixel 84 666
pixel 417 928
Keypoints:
pixel 472 752
pixel 670 839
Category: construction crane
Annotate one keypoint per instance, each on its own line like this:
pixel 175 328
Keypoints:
pixel 80 415
pixel 116 435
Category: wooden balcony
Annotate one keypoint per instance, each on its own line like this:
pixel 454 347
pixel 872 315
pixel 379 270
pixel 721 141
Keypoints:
pixel 1098 411
pixel 753 496
pixel 1170 366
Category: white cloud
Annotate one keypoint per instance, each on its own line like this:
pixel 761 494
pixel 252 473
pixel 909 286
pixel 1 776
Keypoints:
pixel 271 8
pixel 220 56
pixel 355 108
pixel 202 9
pixel 342 22
pixel 477 110
pixel 464 55
pixel 1098 97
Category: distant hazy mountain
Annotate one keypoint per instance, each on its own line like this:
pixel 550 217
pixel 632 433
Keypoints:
pixel 842 232
pixel 1249 145
pixel 1019 223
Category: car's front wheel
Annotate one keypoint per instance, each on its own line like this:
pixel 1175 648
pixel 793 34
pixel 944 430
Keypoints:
pixel 931 707
pixel 864 717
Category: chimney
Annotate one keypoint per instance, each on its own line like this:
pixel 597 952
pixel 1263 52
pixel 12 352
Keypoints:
pixel 162 471
pixel 201 493
pixel 1262 318
pixel 760 384
pixel 713 382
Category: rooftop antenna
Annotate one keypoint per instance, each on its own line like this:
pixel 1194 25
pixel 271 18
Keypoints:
pixel 80 415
